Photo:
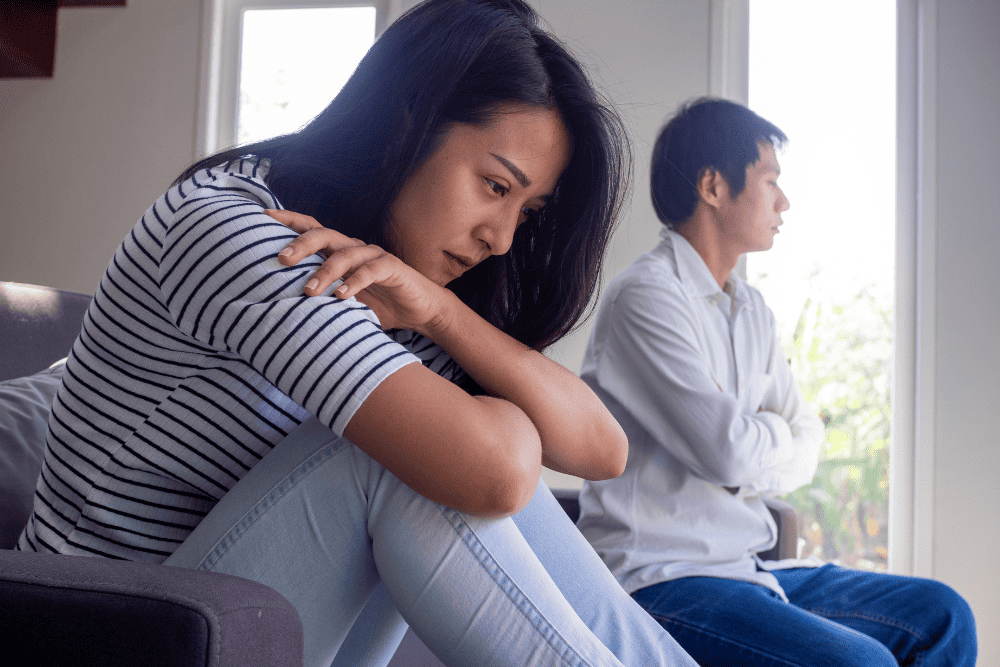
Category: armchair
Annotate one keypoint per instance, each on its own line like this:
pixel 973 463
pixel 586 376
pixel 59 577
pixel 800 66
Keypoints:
pixel 74 610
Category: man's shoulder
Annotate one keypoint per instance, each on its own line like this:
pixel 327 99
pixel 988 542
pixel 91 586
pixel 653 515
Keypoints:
pixel 654 269
pixel 649 286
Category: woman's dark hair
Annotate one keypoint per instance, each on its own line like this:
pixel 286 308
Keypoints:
pixel 463 61
pixel 706 133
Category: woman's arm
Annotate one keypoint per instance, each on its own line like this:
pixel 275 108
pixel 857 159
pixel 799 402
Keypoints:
pixel 577 433
pixel 478 454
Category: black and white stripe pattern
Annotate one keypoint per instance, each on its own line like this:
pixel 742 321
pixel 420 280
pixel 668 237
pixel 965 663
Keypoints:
pixel 198 354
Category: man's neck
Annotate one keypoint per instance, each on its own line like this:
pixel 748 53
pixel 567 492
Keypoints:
pixel 705 237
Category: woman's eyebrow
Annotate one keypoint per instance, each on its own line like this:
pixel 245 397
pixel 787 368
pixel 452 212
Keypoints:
pixel 514 170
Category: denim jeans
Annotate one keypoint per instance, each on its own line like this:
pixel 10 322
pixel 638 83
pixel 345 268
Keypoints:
pixel 356 552
pixel 835 616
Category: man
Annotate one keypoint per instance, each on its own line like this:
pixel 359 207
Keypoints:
pixel 685 355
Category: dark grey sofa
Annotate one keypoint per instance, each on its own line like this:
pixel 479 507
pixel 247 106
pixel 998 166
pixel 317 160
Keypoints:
pixel 74 610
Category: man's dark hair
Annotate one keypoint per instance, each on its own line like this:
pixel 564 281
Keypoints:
pixel 442 63
pixel 705 134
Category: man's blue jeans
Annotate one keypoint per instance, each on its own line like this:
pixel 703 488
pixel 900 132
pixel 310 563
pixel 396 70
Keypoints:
pixel 835 616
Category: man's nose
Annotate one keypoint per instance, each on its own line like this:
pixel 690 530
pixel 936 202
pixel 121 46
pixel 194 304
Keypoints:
pixel 783 203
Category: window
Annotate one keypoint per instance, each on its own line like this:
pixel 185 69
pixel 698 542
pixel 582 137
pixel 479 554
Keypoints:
pixel 275 64
pixel 825 73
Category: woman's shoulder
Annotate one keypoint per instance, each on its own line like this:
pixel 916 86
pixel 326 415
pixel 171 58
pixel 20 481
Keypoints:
pixel 222 200
pixel 245 177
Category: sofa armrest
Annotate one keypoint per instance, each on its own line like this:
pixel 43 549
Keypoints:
pixel 788 530
pixel 37 326
pixel 569 500
pixel 93 611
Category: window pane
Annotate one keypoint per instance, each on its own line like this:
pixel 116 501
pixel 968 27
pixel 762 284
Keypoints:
pixel 825 73
pixel 293 62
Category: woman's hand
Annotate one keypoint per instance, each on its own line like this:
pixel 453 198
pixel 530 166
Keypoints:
pixel 578 435
pixel 400 297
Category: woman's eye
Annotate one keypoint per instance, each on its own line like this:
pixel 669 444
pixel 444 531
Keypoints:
pixel 497 188
pixel 530 214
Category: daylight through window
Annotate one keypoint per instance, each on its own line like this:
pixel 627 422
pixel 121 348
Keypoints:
pixel 825 73
pixel 293 62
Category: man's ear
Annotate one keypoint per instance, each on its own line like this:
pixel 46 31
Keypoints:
pixel 712 187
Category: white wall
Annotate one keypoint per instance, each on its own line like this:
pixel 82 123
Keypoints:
pixel 86 152
pixel 649 57
pixel 966 515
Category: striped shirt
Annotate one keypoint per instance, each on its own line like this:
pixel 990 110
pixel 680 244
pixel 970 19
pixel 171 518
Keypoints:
pixel 198 354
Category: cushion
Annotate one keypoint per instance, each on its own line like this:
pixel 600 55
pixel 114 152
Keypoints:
pixel 24 416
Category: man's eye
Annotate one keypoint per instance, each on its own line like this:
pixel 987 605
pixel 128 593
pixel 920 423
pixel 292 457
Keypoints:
pixel 497 188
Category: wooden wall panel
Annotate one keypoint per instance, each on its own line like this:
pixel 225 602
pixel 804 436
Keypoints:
pixel 27 38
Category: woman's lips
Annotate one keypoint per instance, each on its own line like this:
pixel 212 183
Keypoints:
pixel 461 261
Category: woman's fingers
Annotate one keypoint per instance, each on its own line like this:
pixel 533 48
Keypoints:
pixel 341 262
pixel 312 241
pixel 320 240
pixel 375 270
pixel 297 221
pixel 398 295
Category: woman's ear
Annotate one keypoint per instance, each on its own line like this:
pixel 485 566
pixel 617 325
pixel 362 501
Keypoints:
pixel 712 186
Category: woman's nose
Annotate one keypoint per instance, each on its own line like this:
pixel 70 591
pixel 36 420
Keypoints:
pixel 499 234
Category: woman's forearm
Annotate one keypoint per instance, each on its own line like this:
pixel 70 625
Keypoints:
pixel 578 434
pixel 477 454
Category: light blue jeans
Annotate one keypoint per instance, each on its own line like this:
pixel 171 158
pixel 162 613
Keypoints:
pixel 356 552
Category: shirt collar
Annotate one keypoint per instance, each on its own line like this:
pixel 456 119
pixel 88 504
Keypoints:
pixel 691 268
pixel 694 274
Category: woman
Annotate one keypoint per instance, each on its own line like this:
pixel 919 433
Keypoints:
pixel 212 416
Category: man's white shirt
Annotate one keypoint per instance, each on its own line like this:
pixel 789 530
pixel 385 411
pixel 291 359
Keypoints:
pixel 699 382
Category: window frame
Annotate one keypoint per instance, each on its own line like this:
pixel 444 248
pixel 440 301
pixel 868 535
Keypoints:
pixel 911 455
pixel 220 61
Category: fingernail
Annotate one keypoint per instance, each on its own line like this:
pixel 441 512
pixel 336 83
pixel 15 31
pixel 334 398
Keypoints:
pixel 286 252
pixel 312 284
pixel 341 290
